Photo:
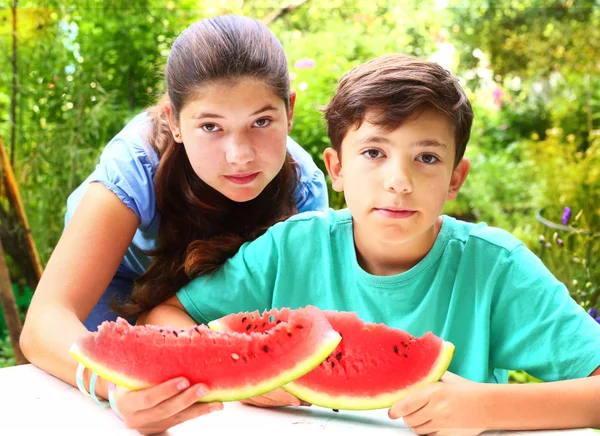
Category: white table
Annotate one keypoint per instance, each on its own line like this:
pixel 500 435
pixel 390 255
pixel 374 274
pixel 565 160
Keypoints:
pixel 35 403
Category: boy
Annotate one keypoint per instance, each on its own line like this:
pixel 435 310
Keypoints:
pixel 399 127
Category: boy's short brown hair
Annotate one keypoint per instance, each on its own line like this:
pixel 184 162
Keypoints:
pixel 398 87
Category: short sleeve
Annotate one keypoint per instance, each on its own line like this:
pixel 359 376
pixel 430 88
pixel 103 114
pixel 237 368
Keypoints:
pixel 245 282
pixel 127 167
pixel 537 327
pixel 311 193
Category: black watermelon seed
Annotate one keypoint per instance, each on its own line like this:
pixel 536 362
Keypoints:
pixel 336 410
pixel 278 321
pixel 244 319
pixel 404 344
pixel 244 358
pixel 332 365
pixel 196 328
pixel 338 356
pixel 290 334
pixel 396 349
pixel 161 330
pixel 264 324
pixel 405 355
pixel 266 349
pixel 256 326
pixel 299 326
pixel 175 333
pixel 249 326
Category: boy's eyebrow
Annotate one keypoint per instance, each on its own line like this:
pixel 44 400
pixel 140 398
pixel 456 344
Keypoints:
pixel 375 139
pixel 428 143
pixel 267 107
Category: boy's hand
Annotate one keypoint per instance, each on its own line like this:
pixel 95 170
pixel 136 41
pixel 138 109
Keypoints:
pixel 156 409
pixel 276 398
pixel 452 406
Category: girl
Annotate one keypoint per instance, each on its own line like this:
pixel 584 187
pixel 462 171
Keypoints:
pixel 189 181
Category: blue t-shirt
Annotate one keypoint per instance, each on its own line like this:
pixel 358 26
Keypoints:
pixel 127 167
pixel 478 287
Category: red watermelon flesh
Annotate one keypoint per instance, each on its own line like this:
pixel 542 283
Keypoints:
pixel 232 365
pixel 372 367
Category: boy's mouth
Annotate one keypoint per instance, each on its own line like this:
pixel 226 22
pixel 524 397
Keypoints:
pixel 395 212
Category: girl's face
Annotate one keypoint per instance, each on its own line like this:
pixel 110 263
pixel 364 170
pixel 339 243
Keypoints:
pixel 234 134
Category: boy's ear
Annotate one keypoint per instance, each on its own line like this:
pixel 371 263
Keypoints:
pixel 334 168
pixel 459 176
pixel 173 122
pixel 291 110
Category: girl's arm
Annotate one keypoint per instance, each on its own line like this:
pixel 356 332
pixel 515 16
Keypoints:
pixel 80 269
pixel 456 403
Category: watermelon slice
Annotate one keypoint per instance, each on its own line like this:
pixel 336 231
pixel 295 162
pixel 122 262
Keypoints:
pixel 232 365
pixel 372 367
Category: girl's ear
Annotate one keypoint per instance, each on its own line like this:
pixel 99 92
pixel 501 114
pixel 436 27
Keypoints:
pixel 334 168
pixel 291 110
pixel 173 122
pixel 459 176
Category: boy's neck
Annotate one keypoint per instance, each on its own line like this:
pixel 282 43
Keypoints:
pixel 384 258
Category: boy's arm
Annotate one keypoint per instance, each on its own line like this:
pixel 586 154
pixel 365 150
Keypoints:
pixel 555 405
pixel 456 403
pixel 169 313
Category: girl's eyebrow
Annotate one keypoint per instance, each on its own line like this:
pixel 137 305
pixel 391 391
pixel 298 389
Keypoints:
pixel 267 107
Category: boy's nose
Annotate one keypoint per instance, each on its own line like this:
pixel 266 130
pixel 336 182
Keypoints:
pixel 399 182
pixel 239 152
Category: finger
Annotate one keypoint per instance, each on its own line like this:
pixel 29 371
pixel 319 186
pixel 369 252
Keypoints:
pixel 424 428
pixel 128 401
pixel 418 418
pixel 282 397
pixel 411 403
pixel 451 378
pixel 276 398
pixel 167 408
pixel 194 411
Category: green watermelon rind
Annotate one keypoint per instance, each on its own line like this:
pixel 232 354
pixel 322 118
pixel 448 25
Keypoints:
pixel 329 342
pixel 379 402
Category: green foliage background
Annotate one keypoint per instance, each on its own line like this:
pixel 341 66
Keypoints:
pixel 530 68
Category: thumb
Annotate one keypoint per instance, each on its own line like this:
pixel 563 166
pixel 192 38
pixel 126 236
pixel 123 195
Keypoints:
pixel 452 379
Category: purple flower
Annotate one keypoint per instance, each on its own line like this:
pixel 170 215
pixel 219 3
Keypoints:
pixel 497 95
pixel 566 215
pixel 598 320
pixel 593 312
pixel 304 63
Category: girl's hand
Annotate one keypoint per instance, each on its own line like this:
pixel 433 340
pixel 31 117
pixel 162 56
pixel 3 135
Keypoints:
pixel 276 398
pixel 156 409
pixel 452 406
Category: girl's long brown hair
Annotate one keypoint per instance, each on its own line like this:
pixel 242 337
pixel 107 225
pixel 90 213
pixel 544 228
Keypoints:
pixel 200 228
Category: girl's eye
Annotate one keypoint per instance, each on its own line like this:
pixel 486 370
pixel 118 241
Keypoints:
pixel 263 122
pixel 428 159
pixel 372 153
pixel 210 128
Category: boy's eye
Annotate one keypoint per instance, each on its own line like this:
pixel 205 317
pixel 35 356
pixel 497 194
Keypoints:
pixel 210 128
pixel 263 122
pixel 428 158
pixel 372 153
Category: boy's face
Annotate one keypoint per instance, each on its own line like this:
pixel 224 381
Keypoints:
pixel 397 182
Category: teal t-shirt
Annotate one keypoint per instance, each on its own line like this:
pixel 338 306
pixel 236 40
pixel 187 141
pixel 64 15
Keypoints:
pixel 478 287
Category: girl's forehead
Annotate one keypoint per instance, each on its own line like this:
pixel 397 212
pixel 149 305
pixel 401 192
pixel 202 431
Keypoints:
pixel 247 94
